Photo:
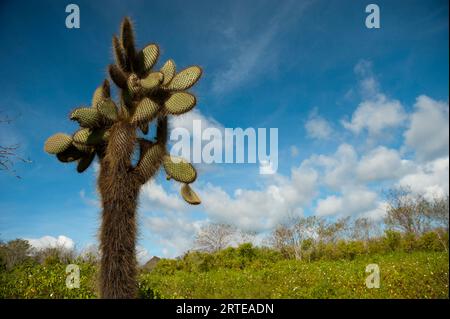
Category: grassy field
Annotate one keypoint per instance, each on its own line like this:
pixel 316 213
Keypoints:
pixel 402 275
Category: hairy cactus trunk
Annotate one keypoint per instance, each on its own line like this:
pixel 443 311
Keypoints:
pixel 119 193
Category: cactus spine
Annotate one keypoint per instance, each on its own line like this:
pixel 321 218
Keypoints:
pixel 109 132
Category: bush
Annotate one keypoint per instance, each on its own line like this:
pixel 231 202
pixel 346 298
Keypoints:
pixel 392 240
pixel 430 242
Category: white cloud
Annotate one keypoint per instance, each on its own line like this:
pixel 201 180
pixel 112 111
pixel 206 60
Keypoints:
pixel 376 115
pixel 339 168
pixel 378 212
pixel 262 209
pixel 186 121
pixel 174 232
pixel 318 128
pixel 51 242
pixel 330 205
pixel 430 179
pixel 382 163
pixel 142 255
pixel 154 196
pixel 428 133
pixel 353 201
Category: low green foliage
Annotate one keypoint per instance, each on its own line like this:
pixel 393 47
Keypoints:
pixel 403 275
pixel 47 281
pixel 248 272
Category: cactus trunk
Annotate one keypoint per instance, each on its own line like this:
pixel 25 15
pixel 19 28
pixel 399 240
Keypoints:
pixel 119 190
pixel 118 242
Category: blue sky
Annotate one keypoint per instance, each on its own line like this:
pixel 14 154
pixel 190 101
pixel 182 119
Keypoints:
pixel 358 110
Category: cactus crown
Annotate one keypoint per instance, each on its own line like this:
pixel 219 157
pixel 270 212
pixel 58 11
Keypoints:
pixel 146 95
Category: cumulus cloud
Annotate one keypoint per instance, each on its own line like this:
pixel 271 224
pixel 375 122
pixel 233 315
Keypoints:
pixel 262 209
pixel 382 163
pixel 429 179
pixel 376 113
pixel 154 196
pixel 318 128
pixel 174 232
pixel 339 168
pixel 52 242
pixel 428 132
pixel 352 202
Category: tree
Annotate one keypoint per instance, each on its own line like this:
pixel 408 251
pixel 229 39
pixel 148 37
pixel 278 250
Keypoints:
pixel 406 211
pixel 14 252
pixel 438 214
pixel 214 237
pixel 9 153
pixel 109 131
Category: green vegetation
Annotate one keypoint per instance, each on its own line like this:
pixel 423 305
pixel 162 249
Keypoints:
pixel 403 275
pixel 307 257
pixel 251 272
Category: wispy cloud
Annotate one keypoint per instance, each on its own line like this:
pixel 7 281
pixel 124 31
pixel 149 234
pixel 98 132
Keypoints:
pixel 254 54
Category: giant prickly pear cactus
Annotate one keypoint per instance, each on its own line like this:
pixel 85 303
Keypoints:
pixel 110 132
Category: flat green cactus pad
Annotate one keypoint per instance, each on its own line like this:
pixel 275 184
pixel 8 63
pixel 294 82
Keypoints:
pixel 147 58
pixel 179 103
pixel 179 169
pixel 189 195
pixel 57 143
pixel 145 111
pixel 168 69
pixel 85 162
pixel 185 79
pixel 86 116
pixel 108 110
pixel 69 155
pixel 152 81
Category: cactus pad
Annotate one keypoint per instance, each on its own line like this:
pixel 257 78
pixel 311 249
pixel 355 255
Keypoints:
pixel 145 111
pixel 152 81
pixel 85 162
pixel 179 169
pixel 108 110
pixel 82 147
pixel 71 154
pixel 89 137
pixel 179 103
pixel 168 69
pixel 118 76
pixel 150 160
pixel 189 195
pixel 133 84
pixel 102 92
pixel 57 143
pixel 86 116
pixel 147 58
pixel 185 79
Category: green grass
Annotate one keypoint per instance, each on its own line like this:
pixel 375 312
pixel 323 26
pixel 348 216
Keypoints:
pixel 403 275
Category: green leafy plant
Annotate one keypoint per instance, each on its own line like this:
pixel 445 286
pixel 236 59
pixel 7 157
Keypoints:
pixel 109 131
